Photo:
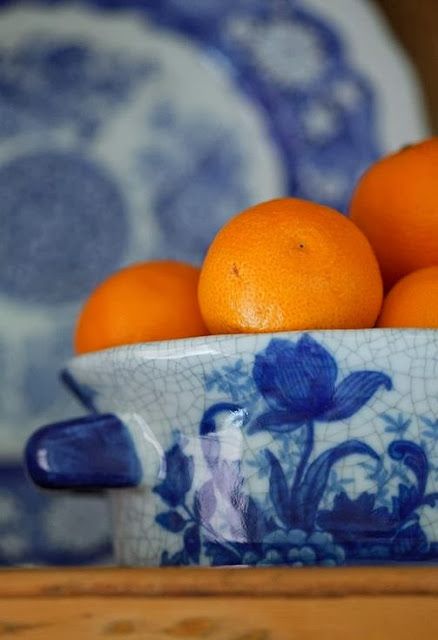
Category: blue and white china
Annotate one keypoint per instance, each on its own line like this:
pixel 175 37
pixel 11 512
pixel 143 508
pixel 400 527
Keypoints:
pixel 40 528
pixel 315 448
pixel 131 130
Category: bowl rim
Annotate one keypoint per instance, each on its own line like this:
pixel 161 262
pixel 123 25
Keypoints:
pixel 187 345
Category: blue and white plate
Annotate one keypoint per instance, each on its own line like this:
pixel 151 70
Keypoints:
pixel 132 130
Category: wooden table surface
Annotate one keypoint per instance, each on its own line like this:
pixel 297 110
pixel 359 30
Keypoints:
pixel 220 604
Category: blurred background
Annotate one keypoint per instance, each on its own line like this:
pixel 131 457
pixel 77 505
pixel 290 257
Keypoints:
pixel 131 130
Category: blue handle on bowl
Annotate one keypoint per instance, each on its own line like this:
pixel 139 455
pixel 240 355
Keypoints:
pixel 94 452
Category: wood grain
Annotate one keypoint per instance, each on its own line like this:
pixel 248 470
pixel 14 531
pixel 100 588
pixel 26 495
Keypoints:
pixel 349 618
pixel 259 583
pixel 225 604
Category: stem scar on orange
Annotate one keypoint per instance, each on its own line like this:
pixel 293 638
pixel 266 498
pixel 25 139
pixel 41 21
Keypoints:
pixel 396 205
pixel 289 264
pixel 140 303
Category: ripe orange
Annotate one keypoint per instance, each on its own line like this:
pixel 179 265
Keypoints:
pixel 396 205
pixel 289 264
pixel 413 301
pixel 143 302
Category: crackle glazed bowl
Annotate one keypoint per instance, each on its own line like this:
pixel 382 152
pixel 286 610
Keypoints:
pixel 316 448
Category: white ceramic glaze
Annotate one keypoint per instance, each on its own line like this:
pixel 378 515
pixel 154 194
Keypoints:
pixel 367 398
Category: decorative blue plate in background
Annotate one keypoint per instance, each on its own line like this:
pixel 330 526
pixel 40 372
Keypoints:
pixel 132 130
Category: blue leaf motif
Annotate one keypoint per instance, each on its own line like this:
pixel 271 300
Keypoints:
pixel 276 422
pixel 353 393
pixel 307 497
pixel 251 518
pixel 256 525
pixel 192 542
pixel 398 425
pixel 358 519
pixel 179 477
pixel 171 520
pixel 296 378
pixel 414 458
pixel 205 502
pixel 278 489
pixel 178 559
pixel 221 555
pixel 406 501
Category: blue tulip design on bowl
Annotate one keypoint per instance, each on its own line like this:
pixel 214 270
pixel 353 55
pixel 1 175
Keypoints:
pixel 299 383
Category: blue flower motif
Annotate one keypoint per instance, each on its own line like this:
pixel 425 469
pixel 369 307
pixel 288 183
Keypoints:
pixel 46 180
pixel 295 522
pixel 363 526
pixel 44 84
pixel 370 532
pixel 357 519
pixel 215 173
pixel 298 382
pixel 179 477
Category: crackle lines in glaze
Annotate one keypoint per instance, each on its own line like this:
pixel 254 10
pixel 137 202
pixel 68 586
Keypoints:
pixel 172 385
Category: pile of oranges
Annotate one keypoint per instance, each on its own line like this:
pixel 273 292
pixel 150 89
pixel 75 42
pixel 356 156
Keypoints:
pixel 290 264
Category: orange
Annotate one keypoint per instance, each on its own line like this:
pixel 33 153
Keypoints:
pixel 413 301
pixel 396 206
pixel 289 264
pixel 146 301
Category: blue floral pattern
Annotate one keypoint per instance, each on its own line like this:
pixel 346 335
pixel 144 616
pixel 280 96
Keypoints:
pixel 44 85
pixel 295 523
pixel 215 174
pixel 62 529
pixel 43 181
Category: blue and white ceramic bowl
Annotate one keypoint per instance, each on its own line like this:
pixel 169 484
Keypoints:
pixel 315 448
